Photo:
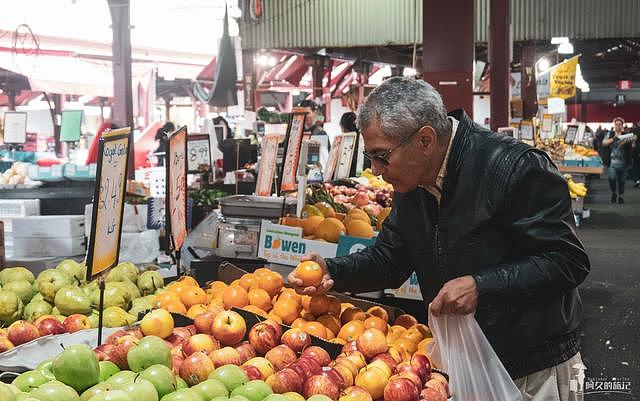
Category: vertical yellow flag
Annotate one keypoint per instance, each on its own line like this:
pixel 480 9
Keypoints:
pixel 563 79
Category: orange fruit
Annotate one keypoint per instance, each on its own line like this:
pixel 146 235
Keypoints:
pixel 192 296
pixel 196 310
pixel 380 312
pixel 188 280
pixel 374 322
pixel 287 309
pixel 330 334
pixel 259 272
pixel 319 305
pixel 352 313
pixel 413 334
pixel 166 297
pixel 310 273
pixel 351 330
pixel 359 228
pixel 331 322
pixel 260 298
pixel 235 295
pixel 271 283
pixel 175 307
pixel 248 280
pixel 334 306
pixel 298 323
pixel 315 329
pixel 345 305
pixel 337 340
pixel 254 309
pixel 405 320
pixel 274 317
pixel 422 345
pixel 330 229
pixel 310 225
pixel 405 345
pixel 288 293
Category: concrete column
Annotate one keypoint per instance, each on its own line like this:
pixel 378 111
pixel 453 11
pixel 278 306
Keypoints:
pixel 499 52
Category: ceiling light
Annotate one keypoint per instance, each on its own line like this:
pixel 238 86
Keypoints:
pixel 263 60
pixel 543 64
pixel 558 40
pixel 565 48
pixel 272 61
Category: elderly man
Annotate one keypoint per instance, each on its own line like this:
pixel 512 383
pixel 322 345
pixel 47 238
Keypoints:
pixel 486 223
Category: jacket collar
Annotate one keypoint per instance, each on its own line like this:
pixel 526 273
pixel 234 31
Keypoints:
pixel 458 148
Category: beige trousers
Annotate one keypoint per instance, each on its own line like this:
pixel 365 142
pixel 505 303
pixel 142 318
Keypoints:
pixel 563 382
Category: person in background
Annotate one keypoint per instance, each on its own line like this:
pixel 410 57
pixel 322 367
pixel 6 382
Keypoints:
pixel 635 155
pixel 348 124
pixel 162 136
pixel 312 128
pixel 619 159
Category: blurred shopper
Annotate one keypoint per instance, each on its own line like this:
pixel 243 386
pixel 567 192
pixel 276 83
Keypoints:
pixel 619 151
pixel 162 136
pixel 315 130
pixel 348 124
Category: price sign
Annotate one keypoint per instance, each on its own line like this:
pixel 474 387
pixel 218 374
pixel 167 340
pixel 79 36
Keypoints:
pixel 70 126
pixel 267 164
pixel 346 155
pixel 15 127
pixel 177 189
pixel 108 201
pixel 526 130
pixel 292 152
pixel 330 168
pixel 199 151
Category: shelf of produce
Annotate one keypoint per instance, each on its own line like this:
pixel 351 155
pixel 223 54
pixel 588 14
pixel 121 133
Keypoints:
pixel 581 170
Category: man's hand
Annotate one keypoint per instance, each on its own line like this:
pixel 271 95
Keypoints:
pixel 324 286
pixel 456 297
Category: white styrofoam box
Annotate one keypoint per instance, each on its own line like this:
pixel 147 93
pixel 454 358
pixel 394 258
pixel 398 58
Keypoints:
pixel 19 207
pixel 154 178
pixel 63 226
pixel 8 225
pixel 53 246
pixel 134 218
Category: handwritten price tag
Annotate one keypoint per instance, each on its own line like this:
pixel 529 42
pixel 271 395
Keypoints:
pixel 198 151
pixel 177 188
pixel 108 201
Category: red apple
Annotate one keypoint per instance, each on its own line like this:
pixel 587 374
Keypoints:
pixel 411 376
pixel 264 366
pixel 430 394
pixel 281 356
pixel 350 346
pixel 422 366
pixel 76 322
pixel 252 372
pixel 371 343
pixel 225 356
pixel 21 332
pixel 50 326
pixel 199 342
pixel 103 351
pixel 355 393
pixel 118 354
pixel 356 357
pixel 386 358
pixel 204 322
pixel 296 339
pixel 263 337
pixel 346 364
pixel 191 329
pixel 438 385
pixel 276 326
pixel 347 375
pixel 229 327
pixel 307 366
pixel 176 363
pixel 401 389
pixel 336 377
pixel 41 318
pixel 196 368
pixel 318 354
pixel 113 337
pixel 246 351
pixel 284 381
pixel 320 384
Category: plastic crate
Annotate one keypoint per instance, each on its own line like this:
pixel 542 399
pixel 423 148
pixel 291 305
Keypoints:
pixel 572 163
pixel 592 162
pixel 50 173
pixel 19 207
pixel 80 173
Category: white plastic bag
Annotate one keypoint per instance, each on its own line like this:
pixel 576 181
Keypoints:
pixel 475 372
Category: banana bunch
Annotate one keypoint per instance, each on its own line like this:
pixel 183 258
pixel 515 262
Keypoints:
pixel 575 189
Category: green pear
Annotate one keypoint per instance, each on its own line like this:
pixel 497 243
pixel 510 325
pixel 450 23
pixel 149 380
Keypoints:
pixel 94 318
pixel 124 271
pixel 77 366
pixel 15 274
pixel 53 391
pixel 38 296
pixel 73 268
pixel 90 287
pixel 114 316
pixel 132 289
pixel 71 299
pixel 10 307
pixel 22 288
pixel 50 281
pixel 149 282
pixel 115 294
pixel 35 309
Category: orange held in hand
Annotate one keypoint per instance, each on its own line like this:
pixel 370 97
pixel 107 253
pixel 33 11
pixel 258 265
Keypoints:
pixel 310 273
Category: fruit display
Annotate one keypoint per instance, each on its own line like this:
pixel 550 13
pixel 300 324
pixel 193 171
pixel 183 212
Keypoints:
pixel 555 147
pixel 576 189
pixel 60 301
pixel 17 174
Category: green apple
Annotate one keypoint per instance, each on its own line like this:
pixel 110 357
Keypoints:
pixel 107 369
pixel 180 383
pixel 46 369
pixel 73 268
pixel 141 390
pixel 185 394
pixel 55 392
pixel 293 396
pixel 115 294
pixel 122 378
pixel 149 282
pixel 22 396
pixel 319 397
pixel 211 388
pixel 115 316
pixel 14 274
pixel 50 281
pixel 95 390
pixel 231 376
pixel 22 288
pixel 151 350
pixel 77 366
pixel 112 395
pixel 276 397
pixel 35 309
pixel 254 390
pixel 124 271
pixel 10 307
pixel 6 393
pixel 70 299
pixel 161 377
pixel 27 381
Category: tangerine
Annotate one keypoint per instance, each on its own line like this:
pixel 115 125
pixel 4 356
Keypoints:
pixel 315 329
pixel 235 295
pixel 331 322
pixel 374 322
pixel 319 305
pixel 175 307
pixel 192 296
pixel 310 224
pixel 166 297
pixel 380 312
pixel 310 273
pixel 260 298
pixel 196 310
pixel 287 309
pixel 330 229
pixel 248 281
pixel 271 283
pixel 351 330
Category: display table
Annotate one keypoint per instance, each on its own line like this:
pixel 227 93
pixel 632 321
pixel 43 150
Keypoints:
pixel 581 170
pixel 579 174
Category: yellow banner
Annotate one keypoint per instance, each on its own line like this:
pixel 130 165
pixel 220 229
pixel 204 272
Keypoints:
pixel 563 79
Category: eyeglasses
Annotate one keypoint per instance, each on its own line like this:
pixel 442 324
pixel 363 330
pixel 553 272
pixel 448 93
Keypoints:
pixel 383 158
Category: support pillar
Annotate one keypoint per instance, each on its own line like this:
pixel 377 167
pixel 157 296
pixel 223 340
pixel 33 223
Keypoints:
pixel 249 80
pixel 499 57
pixel 448 48
pixel 57 111
pixel 528 84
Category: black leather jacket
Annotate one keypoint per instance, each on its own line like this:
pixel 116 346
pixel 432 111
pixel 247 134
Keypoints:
pixel 505 218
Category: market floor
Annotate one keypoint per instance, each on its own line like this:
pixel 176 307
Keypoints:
pixel 611 293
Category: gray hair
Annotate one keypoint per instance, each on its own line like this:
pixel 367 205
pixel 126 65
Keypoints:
pixel 403 105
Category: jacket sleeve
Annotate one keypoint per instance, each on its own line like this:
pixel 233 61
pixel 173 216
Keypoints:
pixel 382 265
pixel 538 218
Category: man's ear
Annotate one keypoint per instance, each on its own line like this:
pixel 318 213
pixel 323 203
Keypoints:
pixel 428 139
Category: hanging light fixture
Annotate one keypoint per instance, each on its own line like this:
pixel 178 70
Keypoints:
pixel 565 48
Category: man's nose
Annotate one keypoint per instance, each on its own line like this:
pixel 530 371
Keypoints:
pixel 377 168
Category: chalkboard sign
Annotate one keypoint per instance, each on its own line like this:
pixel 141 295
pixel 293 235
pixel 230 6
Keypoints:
pixel 177 189
pixel 570 135
pixel 332 162
pixel 199 151
pixel 345 156
pixel 108 201
pixel 15 127
pixel 70 126
pixel 292 152
pixel 267 167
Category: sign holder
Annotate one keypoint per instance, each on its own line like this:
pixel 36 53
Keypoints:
pixel 267 168
pixel 332 161
pixel 108 208
pixel 176 198
pixel 15 127
pixel 198 151
pixel 293 141
pixel 343 167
